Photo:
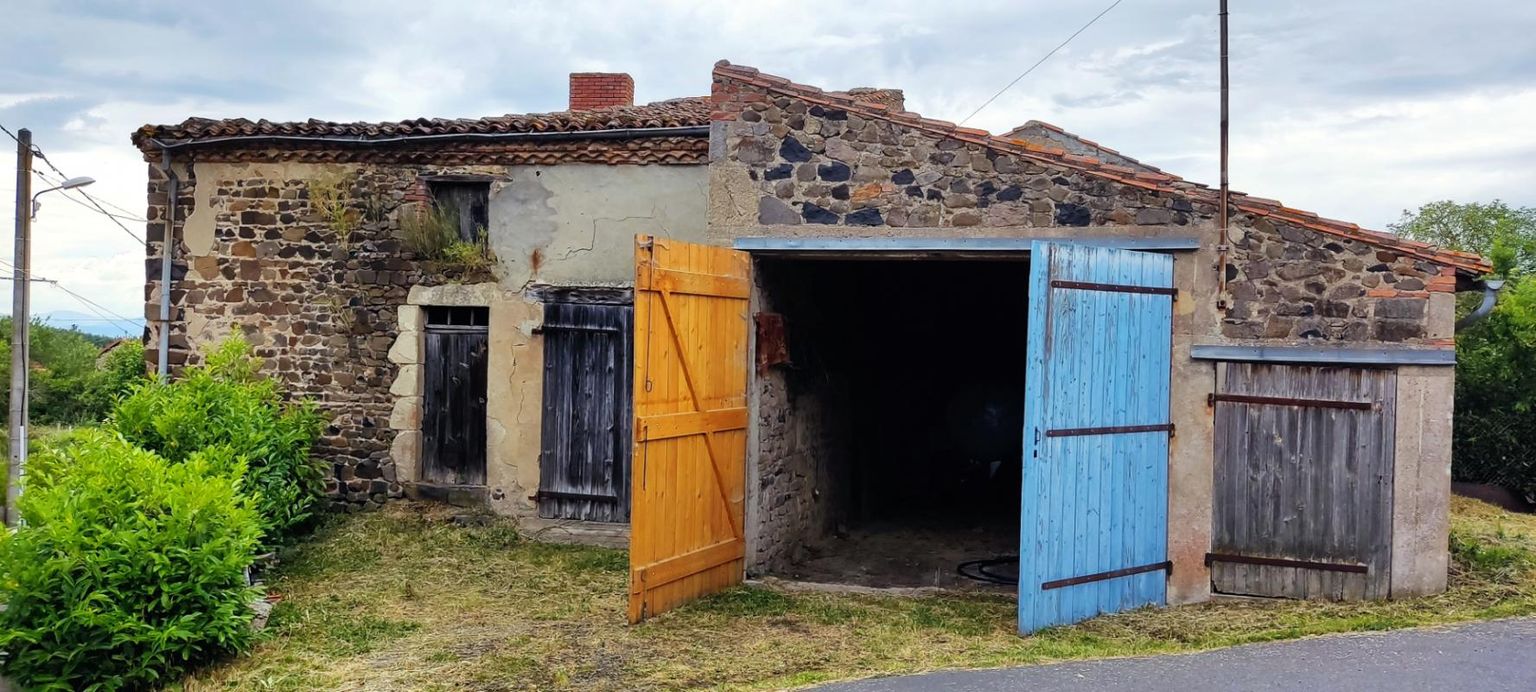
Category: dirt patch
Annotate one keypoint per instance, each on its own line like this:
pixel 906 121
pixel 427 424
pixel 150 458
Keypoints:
pixel 906 555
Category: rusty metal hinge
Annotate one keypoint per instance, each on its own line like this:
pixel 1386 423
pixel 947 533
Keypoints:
pixel 1213 398
pixel 1165 566
pixel 1110 430
pixel 1115 288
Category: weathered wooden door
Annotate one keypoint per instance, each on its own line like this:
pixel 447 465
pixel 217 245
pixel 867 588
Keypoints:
pixel 690 427
pixel 1094 521
pixel 585 441
pixel 1303 481
pixel 453 410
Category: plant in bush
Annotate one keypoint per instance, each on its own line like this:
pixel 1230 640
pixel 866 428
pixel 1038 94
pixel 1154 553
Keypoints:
pixel 1496 358
pixel 71 383
pixel 129 569
pixel 226 403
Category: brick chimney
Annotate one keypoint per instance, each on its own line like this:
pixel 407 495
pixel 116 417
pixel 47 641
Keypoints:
pixel 593 90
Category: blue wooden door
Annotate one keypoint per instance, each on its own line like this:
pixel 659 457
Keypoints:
pixel 1094 519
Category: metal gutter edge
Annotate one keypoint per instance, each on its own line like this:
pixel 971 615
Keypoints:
pixel 1321 355
pixel 832 244
pixel 626 133
pixel 1491 288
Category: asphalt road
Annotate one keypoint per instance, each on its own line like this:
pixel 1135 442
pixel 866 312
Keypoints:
pixel 1485 657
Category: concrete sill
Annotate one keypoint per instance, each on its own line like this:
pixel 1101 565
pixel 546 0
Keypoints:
pixel 457 495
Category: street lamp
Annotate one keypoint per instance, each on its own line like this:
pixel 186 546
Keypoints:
pixel 70 184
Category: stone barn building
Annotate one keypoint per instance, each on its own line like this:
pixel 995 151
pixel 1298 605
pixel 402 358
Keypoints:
pixel 785 332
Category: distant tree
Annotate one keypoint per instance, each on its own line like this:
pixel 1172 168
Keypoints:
pixel 71 384
pixel 1495 418
pixel 1505 235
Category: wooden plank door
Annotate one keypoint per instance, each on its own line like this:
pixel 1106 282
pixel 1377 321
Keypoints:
pixel 1094 520
pixel 585 441
pixel 690 427
pixel 453 411
pixel 1303 481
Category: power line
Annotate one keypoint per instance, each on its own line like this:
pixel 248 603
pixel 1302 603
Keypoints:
pixel 93 205
pixel 124 217
pixel 38 154
pixel 95 307
pixel 1041 61
pixel 125 213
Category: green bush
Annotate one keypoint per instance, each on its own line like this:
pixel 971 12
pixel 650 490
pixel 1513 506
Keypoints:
pixel 129 569
pixel 1495 359
pixel 69 386
pixel 226 403
pixel 115 376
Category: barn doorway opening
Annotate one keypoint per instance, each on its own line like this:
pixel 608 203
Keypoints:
pixel 889 419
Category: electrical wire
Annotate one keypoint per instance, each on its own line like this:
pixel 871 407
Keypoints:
pixel 1041 61
pixel 124 214
pixel 123 217
pixel 37 153
pixel 982 570
pixel 95 307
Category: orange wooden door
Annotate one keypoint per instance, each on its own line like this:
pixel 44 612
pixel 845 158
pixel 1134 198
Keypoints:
pixel 689 465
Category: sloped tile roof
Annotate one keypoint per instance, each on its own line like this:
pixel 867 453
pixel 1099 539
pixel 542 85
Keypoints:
pixel 682 112
pixel 1083 143
pixel 1464 262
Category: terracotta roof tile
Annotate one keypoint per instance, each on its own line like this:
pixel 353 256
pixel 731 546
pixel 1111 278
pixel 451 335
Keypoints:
pixel 1057 129
pixel 683 112
pixel 1467 263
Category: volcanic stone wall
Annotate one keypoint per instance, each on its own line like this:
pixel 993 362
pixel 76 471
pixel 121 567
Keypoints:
pixel 809 163
pixel 318 305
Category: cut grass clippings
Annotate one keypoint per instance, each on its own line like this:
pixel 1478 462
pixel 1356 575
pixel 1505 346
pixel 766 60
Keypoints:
pixel 403 598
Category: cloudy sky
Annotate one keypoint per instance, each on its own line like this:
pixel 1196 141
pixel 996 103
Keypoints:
pixel 1355 109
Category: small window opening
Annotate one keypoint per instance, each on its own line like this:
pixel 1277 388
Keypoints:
pixel 469 201
pixel 458 316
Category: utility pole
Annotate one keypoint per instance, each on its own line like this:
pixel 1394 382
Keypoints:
pixel 21 298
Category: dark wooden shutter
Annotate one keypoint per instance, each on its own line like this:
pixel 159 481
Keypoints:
pixel 453 410
pixel 585 445
pixel 1303 483
pixel 470 201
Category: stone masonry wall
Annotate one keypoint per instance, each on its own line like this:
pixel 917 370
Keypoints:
pixel 812 164
pixel 320 309
pixel 324 305
pixel 1297 284
pixel 803 440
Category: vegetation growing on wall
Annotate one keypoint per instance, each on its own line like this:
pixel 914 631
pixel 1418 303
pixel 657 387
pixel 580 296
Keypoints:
pixel 1496 358
pixel 328 195
pixel 433 234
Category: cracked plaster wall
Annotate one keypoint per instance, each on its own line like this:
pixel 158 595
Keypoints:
pixel 575 224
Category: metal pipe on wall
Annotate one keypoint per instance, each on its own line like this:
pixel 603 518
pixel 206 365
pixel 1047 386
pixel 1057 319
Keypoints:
pixel 167 247
pixel 1491 288
pixel 1224 242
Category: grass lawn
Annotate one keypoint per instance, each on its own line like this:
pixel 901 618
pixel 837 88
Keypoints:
pixel 405 599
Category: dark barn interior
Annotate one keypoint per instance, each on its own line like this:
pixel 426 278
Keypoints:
pixel 890 443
